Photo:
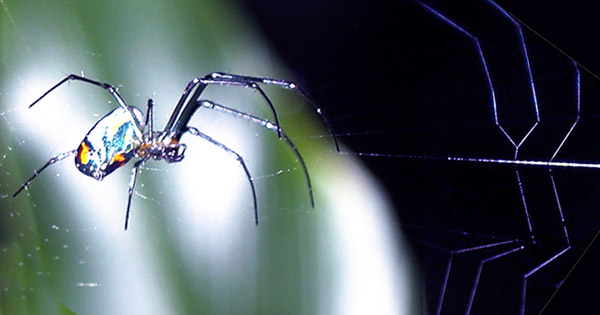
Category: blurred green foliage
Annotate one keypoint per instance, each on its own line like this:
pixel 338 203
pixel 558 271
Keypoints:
pixel 53 260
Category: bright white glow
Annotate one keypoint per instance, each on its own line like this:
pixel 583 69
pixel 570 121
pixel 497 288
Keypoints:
pixel 210 182
pixel 374 268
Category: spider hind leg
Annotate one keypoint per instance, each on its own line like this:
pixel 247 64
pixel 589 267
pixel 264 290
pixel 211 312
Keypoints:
pixel 54 159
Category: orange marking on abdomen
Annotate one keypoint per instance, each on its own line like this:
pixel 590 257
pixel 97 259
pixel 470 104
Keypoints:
pixel 119 158
pixel 83 153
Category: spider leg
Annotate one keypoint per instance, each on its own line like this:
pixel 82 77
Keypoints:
pixel 54 159
pixel 269 125
pixel 184 100
pixel 221 78
pixel 238 157
pixel 149 123
pixel 183 112
pixel 206 80
pixel 132 179
pixel 105 86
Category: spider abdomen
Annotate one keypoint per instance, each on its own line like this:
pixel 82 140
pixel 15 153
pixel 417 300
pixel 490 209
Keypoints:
pixel 108 145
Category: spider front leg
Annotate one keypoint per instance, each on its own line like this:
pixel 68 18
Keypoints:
pixel 250 84
pixel 238 157
pixel 54 159
pixel 132 180
pixel 183 112
pixel 222 78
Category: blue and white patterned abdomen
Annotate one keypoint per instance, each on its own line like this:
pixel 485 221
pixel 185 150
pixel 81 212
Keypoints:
pixel 108 145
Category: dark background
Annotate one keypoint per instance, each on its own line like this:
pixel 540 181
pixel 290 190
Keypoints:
pixel 572 27
pixel 311 39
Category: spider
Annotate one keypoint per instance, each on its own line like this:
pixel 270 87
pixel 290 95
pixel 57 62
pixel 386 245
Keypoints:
pixel 125 133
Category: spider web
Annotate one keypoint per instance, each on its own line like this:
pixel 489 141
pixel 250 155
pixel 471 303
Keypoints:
pixel 479 129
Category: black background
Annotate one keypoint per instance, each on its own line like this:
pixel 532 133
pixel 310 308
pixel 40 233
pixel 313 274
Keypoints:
pixel 572 27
